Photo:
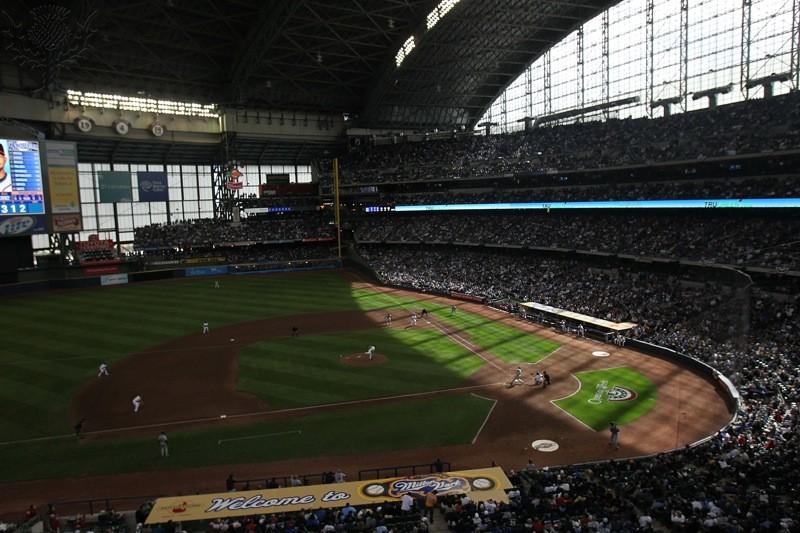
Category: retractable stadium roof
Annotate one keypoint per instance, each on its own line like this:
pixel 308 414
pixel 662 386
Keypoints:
pixel 315 55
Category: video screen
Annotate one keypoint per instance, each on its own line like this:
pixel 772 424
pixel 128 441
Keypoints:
pixel 21 191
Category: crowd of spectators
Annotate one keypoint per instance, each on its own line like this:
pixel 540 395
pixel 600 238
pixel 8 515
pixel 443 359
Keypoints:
pixel 765 187
pixel 761 241
pixel 754 126
pixel 740 480
pixel 205 232
pixel 255 253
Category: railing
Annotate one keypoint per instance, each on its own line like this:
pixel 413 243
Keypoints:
pixel 405 470
pixel 283 481
pixel 96 505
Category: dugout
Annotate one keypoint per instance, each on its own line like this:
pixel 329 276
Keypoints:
pixel 553 316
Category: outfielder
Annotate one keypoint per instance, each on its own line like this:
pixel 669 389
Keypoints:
pixel 205 328
pixel 370 352
pixel 103 371
pixel 137 403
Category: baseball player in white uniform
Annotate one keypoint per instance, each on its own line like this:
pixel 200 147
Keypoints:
pixel 517 378
pixel 413 319
pixel 137 403
pixel 103 371
pixel 581 331
pixel 205 328
pixel 370 352
pixel 538 378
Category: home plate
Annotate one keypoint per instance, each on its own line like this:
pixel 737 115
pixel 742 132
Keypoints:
pixel 600 354
pixel 544 445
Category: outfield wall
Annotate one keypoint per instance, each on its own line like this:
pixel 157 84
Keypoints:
pixel 76 279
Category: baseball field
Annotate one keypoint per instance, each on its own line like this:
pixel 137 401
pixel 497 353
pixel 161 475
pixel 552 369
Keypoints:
pixel 250 392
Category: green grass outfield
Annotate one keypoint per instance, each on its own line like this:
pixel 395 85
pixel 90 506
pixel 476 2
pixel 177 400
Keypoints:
pixel 56 340
pixel 592 404
pixel 441 421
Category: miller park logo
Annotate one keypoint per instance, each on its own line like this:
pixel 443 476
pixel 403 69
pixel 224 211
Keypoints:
pixel 614 393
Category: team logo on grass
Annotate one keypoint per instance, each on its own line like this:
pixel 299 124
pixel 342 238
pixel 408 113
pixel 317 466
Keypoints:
pixel 612 394
pixel 620 394
pixel 599 392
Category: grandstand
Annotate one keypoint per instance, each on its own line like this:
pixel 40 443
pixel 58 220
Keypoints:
pixel 412 265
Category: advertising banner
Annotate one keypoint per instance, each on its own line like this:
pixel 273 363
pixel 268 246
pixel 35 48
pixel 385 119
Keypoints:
pixel 481 485
pixel 114 186
pixel 99 270
pixel 114 279
pixel 67 223
pixel 62 178
pixel 62 153
pixel 206 271
pixel 153 187
pixel 24 225
pixel 63 183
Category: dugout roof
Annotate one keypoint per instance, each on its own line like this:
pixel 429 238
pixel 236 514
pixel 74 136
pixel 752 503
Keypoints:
pixel 320 55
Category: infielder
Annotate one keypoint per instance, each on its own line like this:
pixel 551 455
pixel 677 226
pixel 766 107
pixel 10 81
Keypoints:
pixel 413 319
pixel 137 403
pixel 370 352
pixel 538 379
pixel 103 370
pixel 205 328
pixel 388 319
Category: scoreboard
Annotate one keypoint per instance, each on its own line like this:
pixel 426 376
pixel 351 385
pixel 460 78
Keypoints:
pixel 21 187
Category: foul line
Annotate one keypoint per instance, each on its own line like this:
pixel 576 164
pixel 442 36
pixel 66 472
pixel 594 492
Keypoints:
pixel 294 431
pixel 252 414
pixel 580 385
pixel 463 342
pixel 456 338
pixel 491 409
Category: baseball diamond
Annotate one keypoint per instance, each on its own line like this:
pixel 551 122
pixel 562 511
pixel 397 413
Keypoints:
pixel 269 380
pixel 399 266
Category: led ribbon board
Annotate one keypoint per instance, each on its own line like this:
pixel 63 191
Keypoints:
pixel 723 203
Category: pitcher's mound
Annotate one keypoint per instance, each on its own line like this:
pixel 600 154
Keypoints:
pixel 362 359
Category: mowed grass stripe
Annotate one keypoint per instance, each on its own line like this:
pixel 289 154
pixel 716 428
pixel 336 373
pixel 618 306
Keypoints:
pixel 441 421
pixel 508 343
pixel 307 370
pixel 82 328
pixel 505 342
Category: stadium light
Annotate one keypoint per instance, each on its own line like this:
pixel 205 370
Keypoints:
pixel 141 105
